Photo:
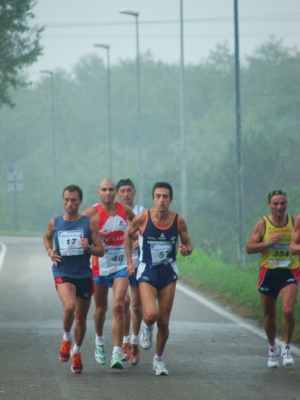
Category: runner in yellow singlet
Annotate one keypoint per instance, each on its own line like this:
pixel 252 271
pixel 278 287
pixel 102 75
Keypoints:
pixel 279 273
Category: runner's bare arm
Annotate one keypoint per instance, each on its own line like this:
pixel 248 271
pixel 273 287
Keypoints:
pixel 135 226
pixel 97 249
pixel 186 247
pixel 255 244
pixel 295 240
pixel 48 242
pixel 129 213
pixel 89 212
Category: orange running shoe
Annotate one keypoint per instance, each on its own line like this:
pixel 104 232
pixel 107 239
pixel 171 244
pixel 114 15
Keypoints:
pixel 76 366
pixel 125 352
pixel 64 351
pixel 134 354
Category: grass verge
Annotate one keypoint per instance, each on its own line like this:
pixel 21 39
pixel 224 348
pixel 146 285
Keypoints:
pixel 230 285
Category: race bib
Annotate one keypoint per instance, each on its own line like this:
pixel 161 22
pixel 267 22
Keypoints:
pixel 279 255
pixel 160 253
pixel 115 257
pixel 69 242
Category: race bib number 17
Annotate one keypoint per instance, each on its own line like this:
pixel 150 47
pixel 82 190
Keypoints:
pixel 69 242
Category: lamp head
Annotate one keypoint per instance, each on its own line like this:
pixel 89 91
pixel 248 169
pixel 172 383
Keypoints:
pixel 129 11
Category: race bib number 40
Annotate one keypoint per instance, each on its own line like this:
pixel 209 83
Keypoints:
pixel 69 242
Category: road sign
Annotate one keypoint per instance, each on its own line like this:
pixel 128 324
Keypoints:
pixel 14 179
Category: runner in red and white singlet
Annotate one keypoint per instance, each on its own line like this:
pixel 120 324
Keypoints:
pixel 110 270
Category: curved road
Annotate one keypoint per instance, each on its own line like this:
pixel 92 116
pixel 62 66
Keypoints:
pixel 211 353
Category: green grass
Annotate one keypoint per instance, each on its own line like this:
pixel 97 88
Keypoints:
pixel 230 285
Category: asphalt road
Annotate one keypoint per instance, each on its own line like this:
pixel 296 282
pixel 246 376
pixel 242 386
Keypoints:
pixel 209 356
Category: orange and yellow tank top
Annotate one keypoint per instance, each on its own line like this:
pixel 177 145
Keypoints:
pixel 278 255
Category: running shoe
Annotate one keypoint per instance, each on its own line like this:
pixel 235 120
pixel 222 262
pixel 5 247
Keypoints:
pixel 287 358
pixel 134 354
pixel 76 366
pixel 146 337
pixel 273 361
pixel 116 361
pixel 100 355
pixel 64 351
pixel 125 353
pixel 159 368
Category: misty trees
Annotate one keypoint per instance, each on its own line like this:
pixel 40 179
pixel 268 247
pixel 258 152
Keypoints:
pixel 270 80
pixel 19 44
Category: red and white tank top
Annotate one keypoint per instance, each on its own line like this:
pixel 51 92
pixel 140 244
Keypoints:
pixel 114 258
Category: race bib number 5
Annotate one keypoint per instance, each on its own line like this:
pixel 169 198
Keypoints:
pixel 160 253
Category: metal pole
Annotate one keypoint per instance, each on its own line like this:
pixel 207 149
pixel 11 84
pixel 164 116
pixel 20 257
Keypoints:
pixel 240 188
pixel 141 165
pixel 182 117
pixel 46 71
pixel 107 47
pixel 54 147
pixel 109 114
pixel 15 210
pixel 135 14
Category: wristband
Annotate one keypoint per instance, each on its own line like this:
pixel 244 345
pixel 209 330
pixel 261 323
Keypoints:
pixel 188 250
pixel 49 251
pixel 267 243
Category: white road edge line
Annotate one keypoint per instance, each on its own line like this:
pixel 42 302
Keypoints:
pixel 2 254
pixel 230 316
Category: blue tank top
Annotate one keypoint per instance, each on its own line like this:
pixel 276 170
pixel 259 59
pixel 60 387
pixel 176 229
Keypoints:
pixel 75 262
pixel 159 245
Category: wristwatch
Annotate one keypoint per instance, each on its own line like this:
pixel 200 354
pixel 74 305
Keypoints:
pixel 88 247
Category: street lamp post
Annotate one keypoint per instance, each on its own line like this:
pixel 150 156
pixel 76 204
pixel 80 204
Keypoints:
pixel 107 47
pixel 141 166
pixel 45 71
pixel 182 116
pixel 240 184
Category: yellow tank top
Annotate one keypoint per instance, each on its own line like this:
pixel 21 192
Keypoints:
pixel 278 255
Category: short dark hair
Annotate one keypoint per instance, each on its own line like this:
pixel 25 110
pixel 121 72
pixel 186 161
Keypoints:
pixel 164 185
pixel 125 182
pixel 275 193
pixel 73 188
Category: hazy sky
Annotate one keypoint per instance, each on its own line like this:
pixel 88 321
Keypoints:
pixel 74 26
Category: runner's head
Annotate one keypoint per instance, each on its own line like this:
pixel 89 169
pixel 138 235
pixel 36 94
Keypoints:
pixel 73 188
pixel 164 185
pixel 277 202
pixel 126 192
pixel 72 198
pixel 106 191
pixel 162 196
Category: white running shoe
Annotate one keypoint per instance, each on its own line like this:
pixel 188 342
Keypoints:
pixel 273 361
pixel 115 361
pixel 159 368
pixel 100 355
pixel 146 337
pixel 287 358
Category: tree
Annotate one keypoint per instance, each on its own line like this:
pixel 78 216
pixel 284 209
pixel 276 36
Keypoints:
pixel 19 44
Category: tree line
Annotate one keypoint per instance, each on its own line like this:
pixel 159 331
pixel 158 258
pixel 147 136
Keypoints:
pixel 270 81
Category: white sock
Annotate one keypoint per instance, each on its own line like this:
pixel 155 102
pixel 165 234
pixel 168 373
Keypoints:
pixel 157 358
pixel 149 328
pixel 126 339
pixel 76 349
pixel 67 336
pixel 100 340
pixel 116 350
pixel 134 339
